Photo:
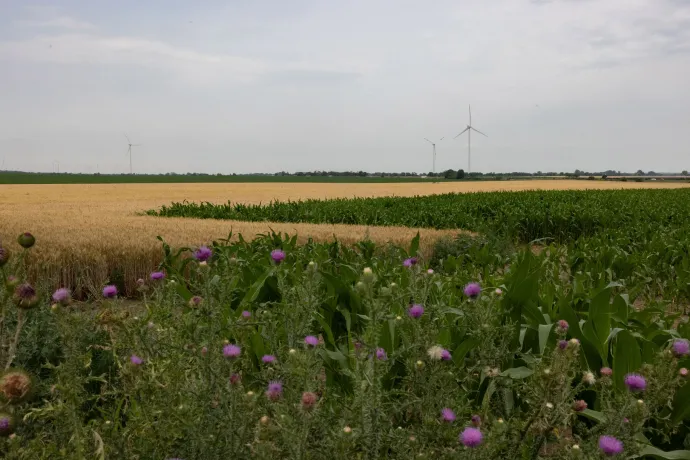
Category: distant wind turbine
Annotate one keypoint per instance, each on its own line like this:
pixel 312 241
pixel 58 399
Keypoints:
pixel 433 145
pixel 469 130
pixel 129 150
pixel 58 166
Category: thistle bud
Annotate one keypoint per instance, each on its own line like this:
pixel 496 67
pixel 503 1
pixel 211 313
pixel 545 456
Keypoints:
pixel 579 406
pixel 264 420
pixel 6 424
pixel 308 400
pixel 683 372
pixel 25 296
pixel 15 386
pixel 26 240
pixel 4 256
pixel 562 327
pixel 368 275
pixel 11 282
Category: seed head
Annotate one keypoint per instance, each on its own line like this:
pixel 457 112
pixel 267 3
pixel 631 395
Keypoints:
pixel 203 254
pixel 588 378
pixel 574 343
pixel 25 296
pixel 415 311
pixel 15 386
pixel 472 290
pixel 610 446
pixel 278 256
pixel 471 437
pixel 435 352
pixel 26 240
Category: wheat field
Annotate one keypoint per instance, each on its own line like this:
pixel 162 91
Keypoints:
pixel 87 233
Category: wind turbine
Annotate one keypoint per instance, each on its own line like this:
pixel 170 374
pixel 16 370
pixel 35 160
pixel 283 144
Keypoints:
pixel 433 145
pixel 58 166
pixel 469 130
pixel 129 150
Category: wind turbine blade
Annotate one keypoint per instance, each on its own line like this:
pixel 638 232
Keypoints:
pixel 137 145
pixel 478 132
pixel 128 138
pixel 441 139
pixel 428 141
pixel 463 131
pixel 470 108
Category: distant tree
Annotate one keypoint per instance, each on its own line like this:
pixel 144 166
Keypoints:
pixel 604 176
pixel 460 174
pixel 685 172
pixel 639 173
pixel 449 174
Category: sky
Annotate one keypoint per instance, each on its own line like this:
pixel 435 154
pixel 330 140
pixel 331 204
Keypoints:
pixel 271 85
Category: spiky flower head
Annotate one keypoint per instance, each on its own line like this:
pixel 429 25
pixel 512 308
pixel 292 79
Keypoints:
pixel 411 262
pixel 381 354
pixel 6 424
pixel 588 378
pixel 498 291
pixel 62 296
pixel 157 276
pixel 368 275
pixel 275 390
pixel 203 254
pixel 562 327
pixel 562 344
pixel 445 355
pixel 579 405
pixel 4 256
pixel 268 359
pixel 195 301
pixel 137 361
pixel 472 290
pixel 311 340
pixel 606 371
pixel 683 372
pixel 246 314
pixel 471 437
pixel 26 240
pixel 15 386
pixel 447 415
pixel 235 379
pixel 308 400
pixel 610 446
pixel 277 256
pixel 25 296
pixel 110 291
pixel 681 347
pixel 476 420
pixel 11 282
pixel 574 343
pixel 231 351
pixel 415 311
pixel 635 382
pixel 430 271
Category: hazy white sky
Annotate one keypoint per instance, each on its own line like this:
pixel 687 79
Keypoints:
pixel 263 86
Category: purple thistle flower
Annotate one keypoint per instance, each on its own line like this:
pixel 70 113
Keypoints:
pixel 411 262
pixel 562 327
pixel 156 276
pixel 203 254
pixel 277 255
pixel 471 437
pixel 610 446
pixel 562 344
pixel 268 359
pixel 472 290
pixel 681 347
pixel 246 314
pixel 62 296
pixel 195 301
pixel 4 424
pixel 447 414
pixel 109 291
pixel 136 360
pixel 231 351
pixel 635 382
pixel 445 355
pixel 275 390
pixel 476 420
pixel 415 311
pixel 381 354
pixel 311 340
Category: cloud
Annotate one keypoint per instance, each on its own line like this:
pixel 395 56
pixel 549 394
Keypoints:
pixel 61 22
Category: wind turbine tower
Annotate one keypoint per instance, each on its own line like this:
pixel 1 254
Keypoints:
pixel 433 145
pixel 469 130
pixel 129 150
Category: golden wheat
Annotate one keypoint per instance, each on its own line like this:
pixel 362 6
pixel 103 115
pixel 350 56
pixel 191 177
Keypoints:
pixel 86 234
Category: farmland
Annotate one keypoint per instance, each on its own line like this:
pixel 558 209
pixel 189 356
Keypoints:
pixel 520 324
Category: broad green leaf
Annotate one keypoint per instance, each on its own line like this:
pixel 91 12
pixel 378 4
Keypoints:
pixel 254 290
pixel 517 373
pixel 463 349
pixel 653 452
pixel 258 345
pixel 544 332
pixel 593 415
pixel 414 245
pixel 627 357
pixel 681 404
